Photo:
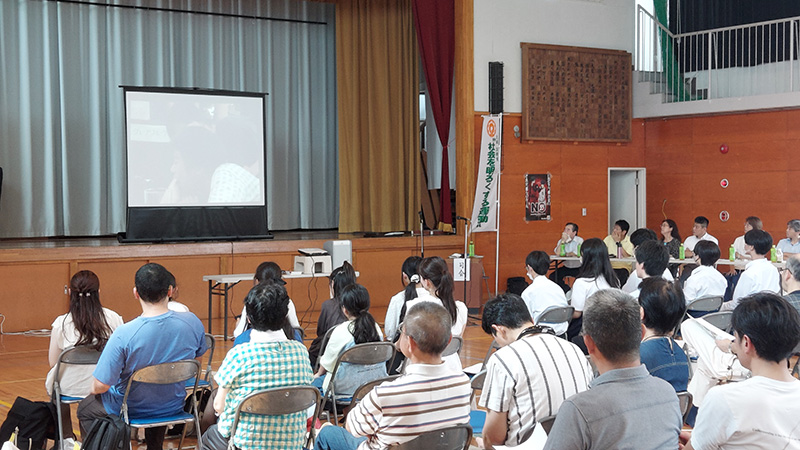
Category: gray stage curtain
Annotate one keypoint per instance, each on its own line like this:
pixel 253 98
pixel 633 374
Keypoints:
pixel 61 108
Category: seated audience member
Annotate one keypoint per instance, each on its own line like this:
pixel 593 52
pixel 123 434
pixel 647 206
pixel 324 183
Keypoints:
pixel 791 245
pixel 397 309
pixel 438 283
pixel 571 242
pixel 750 223
pixel 596 274
pixel 157 336
pixel 529 377
pixel 391 414
pixel 619 245
pixel 705 280
pixel 790 280
pixel 331 313
pixel 759 274
pixel 87 323
pixel 671 237
pixel 652 259
pixel 699 233
pixel 542 293
pixel 359 328
pixel 173 304
pixel 638 237
pixel 268 360
pixel 267 272
pixel 663 308
pixel 763 411
pixel 625 406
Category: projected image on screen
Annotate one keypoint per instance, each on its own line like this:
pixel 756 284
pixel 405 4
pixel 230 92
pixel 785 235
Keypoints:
pixel 187 149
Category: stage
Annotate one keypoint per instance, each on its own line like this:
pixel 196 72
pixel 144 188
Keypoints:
pixel 36 272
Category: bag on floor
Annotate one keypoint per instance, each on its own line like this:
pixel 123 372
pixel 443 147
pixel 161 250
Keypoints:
pixel 36 422
pixel 108 433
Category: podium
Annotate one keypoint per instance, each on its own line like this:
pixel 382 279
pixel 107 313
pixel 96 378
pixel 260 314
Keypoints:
pixel 470 292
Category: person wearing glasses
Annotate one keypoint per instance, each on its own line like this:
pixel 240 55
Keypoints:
pixel 790 280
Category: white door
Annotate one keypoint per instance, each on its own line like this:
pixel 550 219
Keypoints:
pixel 626 197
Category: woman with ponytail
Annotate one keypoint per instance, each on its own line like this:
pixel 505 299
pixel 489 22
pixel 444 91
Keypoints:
pixel 438 284
pixel 330 313
pixel 359 328
pixel 396 311
pixel 86 323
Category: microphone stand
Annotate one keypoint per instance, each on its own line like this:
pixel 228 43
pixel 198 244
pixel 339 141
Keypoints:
pixel 421 235
pixel 465 255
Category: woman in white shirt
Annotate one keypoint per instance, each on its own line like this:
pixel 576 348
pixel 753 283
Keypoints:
pixel 267 271
pixel 397 305
pixel 750 223
pixel 596 273
pixel 86 323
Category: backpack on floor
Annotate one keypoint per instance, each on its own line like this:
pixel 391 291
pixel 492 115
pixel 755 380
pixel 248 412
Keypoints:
pixel 108 433
pixel 36 422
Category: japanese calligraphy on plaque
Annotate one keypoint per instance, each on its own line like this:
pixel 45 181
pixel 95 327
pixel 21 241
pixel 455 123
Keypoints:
pixel 575 93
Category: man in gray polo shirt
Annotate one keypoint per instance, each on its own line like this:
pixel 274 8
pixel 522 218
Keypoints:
pixel 625 407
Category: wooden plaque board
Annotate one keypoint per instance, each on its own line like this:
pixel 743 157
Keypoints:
pixel 576 93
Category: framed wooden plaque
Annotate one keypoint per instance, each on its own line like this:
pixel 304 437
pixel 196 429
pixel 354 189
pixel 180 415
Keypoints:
pixel 576 93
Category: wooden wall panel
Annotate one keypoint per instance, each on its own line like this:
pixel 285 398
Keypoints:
pixel 116 285
pixel 34 295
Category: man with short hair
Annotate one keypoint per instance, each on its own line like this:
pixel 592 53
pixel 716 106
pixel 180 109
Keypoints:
pixel 157 336
pixel 705 280
pixel 429 396
pixel 790 280
pixel 620 246
pixel 542 293
pixel 571 241
pixel 791 245
pixel 762 411
pixel 639 237
pixel 652 259
pixel 529 377
pixel 626 407
pixel 759 274
pixel 699 233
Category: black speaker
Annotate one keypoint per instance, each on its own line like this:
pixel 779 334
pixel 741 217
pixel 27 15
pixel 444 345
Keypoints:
pixel 495 87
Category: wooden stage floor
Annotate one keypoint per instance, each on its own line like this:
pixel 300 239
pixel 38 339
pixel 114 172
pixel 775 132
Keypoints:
pixel 25 366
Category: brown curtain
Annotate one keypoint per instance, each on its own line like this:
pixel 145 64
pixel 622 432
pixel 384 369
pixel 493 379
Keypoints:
pixel 378 96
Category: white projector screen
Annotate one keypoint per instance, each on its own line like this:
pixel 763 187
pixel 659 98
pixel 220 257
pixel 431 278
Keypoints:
pixel 194 149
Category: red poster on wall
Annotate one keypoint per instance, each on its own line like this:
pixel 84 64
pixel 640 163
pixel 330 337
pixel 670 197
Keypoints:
pixel 537 196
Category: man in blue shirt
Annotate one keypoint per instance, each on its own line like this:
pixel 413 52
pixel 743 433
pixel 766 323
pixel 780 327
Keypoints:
pixel 157 336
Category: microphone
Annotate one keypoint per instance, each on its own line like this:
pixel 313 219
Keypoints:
pixel 462 218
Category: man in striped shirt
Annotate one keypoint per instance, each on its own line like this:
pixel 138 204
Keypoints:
pixel 529 377
pixel 428 397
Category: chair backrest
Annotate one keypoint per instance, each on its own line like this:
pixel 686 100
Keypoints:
pixel 492 348
pixel 277 402
pixel 710 303
pixel 322 346
pixel 366 354
pixel 556 314
pixel 457 437
pixel 685 402
pixel 364 389
pixel 81 355
pixel 454 346
pixel 164 373
pixel 547 423
pixel 211 345
pixel 476 383
pixel 721 320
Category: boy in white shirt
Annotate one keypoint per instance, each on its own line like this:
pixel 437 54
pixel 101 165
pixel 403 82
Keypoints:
pixel 705 280
pixel 759 274
pixel 542 293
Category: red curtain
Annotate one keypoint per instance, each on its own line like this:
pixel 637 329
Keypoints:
pixel 435 23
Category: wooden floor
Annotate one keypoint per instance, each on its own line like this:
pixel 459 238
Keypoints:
pixel 24 364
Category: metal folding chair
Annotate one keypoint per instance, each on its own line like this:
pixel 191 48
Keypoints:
pixel 477 417
pixel 367 354
pixel 364 389
pixel 83 356
pixel 704 305
pixel 456 437
pixel 721 320
pixel 685 401
pixel 166 373
pixel 555 314
pixel 454 346
pixel 322 346
pixel 277 402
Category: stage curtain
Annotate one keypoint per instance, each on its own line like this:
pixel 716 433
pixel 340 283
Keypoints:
pixel 378 92
pixel 61 108
pixel 435 24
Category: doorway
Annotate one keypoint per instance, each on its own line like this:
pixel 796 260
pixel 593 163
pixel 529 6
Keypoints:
pixel 627 197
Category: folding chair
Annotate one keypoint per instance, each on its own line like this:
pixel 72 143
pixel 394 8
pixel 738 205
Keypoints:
pixel 364 389
pixel 322 346
pixel 166 373
pixel 205 383
pixel 555 314
pixel 721 320
pixel 367 354
pixel 456 437
pixel 547 423
pixel 477 417
pixel 278 402
pixel 454 346
pixel 82 355
pixel 704 305
pixel 685 401
pixel 492 348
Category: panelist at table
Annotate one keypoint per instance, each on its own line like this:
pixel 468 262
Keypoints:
pixel 571 242
pixel 620 246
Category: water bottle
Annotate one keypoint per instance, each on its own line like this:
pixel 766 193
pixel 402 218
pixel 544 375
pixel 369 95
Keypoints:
pixel 681 252
pixel 773 254
pixel 732 253
pixel 471 249
pixel 563 250
pixel 779 254
pixel 619 250
pixel 578 252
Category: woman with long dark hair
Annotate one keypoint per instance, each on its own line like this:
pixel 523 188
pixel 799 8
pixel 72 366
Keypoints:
pixel 267 272
pixel 671 237
pixel 396 311
pixel 359 328
pixel 330 313
pixel 595 274
pixel 86 323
